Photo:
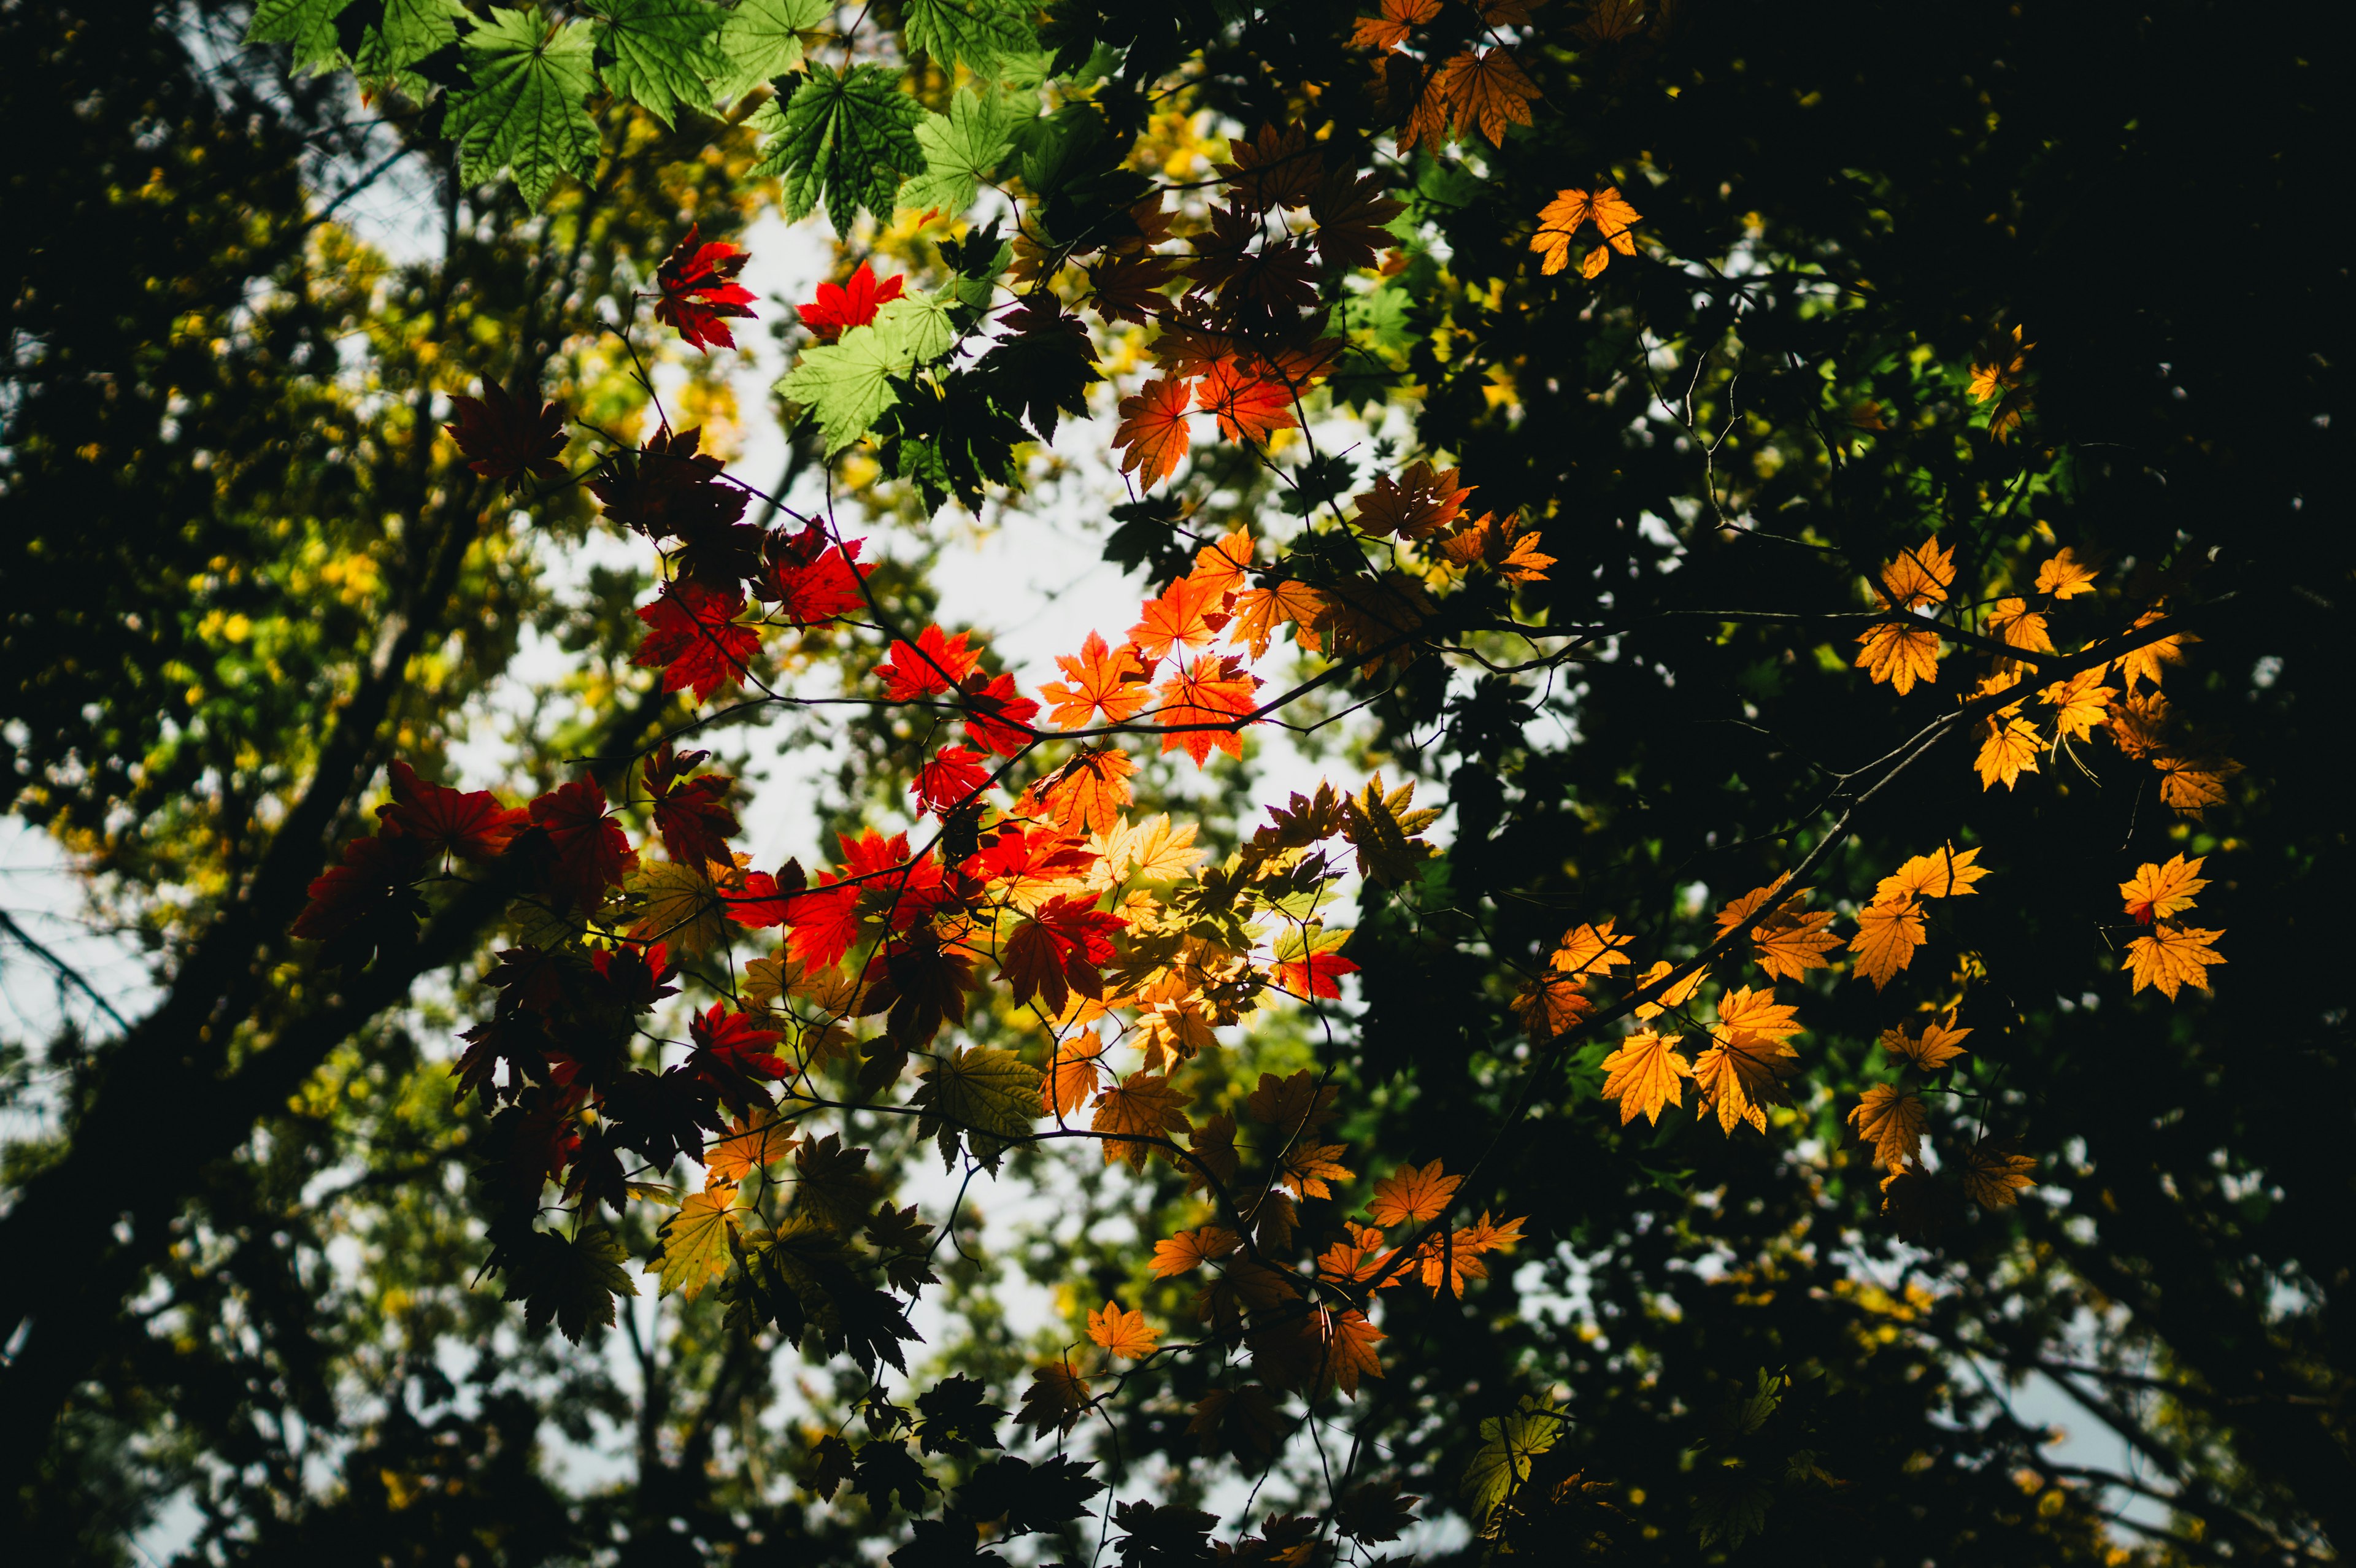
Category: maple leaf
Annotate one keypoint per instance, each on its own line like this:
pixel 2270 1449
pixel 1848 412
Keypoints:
pixel 1411 1195
pixel 1066 939
pixel 1382 831
pixel 1141 1106
pixel 1107 681
pixel 1890 1119
pixel 694 1242
pixel 1899 657
pixel 1247 407
pixel 1356 1260
pixel 1258 611
pixel 1745 1011
pixel 1388 31
pixel 936 663
pixel 1676 996
pixel 1737 910
pixel 1354 217
pixel 591 853
pixel 2066 576
pixel 2008 750
pixel 1122 1334
pixel 696 288
pixel 1087 795
pixel 1929 1050
pixel 2019 626
pixel 1275 168
pixel 2079 703
pixel 1502 547
pixel 692 637
pixel 809 577
pixel 506 439
pixel 725 1039
pixel 1318 975
pixel 851 303
pixel 370 896
pixel 751 1144
pixel 1073 1075
pixel 1129 287
pixel 1643 1075
pixel 1591 951
pixel 1561 219
pixel 1887 936
pixel 1994 1175
pixel 692 817
pixel 1175 620
pixel 1420 503
pixel 445 821
pixel 1054 1401
pixel 996 718
pixel 1209 691
pixel 1487 88
pixel 1946 873
pixel 1188 1250
pixel 1220 568
pixel 1152 435
pixel 1350 1341
pixel 2171 957
pixel 1793 941
pixel 953 776
pixel 1742 1074
pixel 2007 362
pixel 2159 892
pixel 1919 578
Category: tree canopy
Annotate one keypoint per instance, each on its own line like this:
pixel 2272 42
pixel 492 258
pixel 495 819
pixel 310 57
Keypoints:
pixel 1808 969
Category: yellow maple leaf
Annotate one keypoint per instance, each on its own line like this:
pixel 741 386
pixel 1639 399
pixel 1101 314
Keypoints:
pixel 1737 910
pixel 695 1240
pixel 1123 1333
pixel 2159 892
pixel 1890 1119
pixel 1791 942
pixel 2147 662
pixel 1899 656
pixel 2190 785
pixel 2019 626
pixel 1644 1075
pixel 2173 956
pixel 1741 1076
pixel 1931 1049
pixel 763 1139
pixel 1887 936
pixel 2066 576
pixel 1745 1011
pixel 2008 749
pixel 1676 996
pixel 1920 577
pixel 2079 703
pixel 679 905
pixel 1589 950
pixel 1944 873
pixel 1994 1175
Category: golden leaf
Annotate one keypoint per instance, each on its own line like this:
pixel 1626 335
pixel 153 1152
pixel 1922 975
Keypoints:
pixel 2066 576
pixel 1140 1106
pixel 1676 996
pixel 1994 1176
pixel 2009 751
pixel 1890 1119
pixel 1887 936
pixel 1741 1076
pixel 1745 1011
pixel 1945 873
pixel 1899 656
pixel 1411 1194
pixel 695 1240
pixel 2173 956
pixel 1123 1333
pixel 763 1139
pixel 1929 1050
pixel 2159 892
pixel 2079 703
pixel 1643 1075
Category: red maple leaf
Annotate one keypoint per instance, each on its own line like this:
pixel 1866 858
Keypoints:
pixel 1066 940
pixel 1017 853
pixel 761 899
pixel 809 577
pixel 950 778
pixel 1319 974
pixel 1208 691
pixel 825 922
pixel 692 637
pixel 589 850
pixel 1152 430
pixel 635 977
pixel 996 718
pixel 446 821
pixel 697 287
pixel 937 662
pixel 851 303
pixel 506 439
pixel 732 1056
pixel 1248 408
pixel 371 891
pixel 693 816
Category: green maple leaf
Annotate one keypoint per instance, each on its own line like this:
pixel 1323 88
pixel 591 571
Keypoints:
pixel 664 50
pixel 991 1095
pixel 849 138
pixel 573 1281
pixel 762 39
pixel 848 384
pixel 1382 829
pixel 309 24
pixel 962 149
pixel 412 30
pixel 524 111
pixel 1507 1447
pixel 974 31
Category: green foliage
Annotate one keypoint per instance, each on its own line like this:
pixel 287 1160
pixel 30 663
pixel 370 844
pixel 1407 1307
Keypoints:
pixel 845 138
pixel 525 111
pixel 975 33
pixel 962 149
pixel 663 51
pixel 990 1096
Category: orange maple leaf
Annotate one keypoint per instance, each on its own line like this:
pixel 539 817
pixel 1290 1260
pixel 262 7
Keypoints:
pixel 1562 218
pixel 1745 1011
pixel 1141 1106
pixel 1087 795
pixel 1071 1077
pixel 1152 429
pixel 1899 657
pixel 1248 408
pixel 1388 31
pixel 2007 750
pixel 1207 692
pixel 1411 1194
pixel 1189 1250
pixel 1887 936
pixel 1929 1050
pixel 1220 568
pixel 1792 941
pixel 1742 1075
pixel 1737 910
pixel 1920 577
pixel 1175 620
pixel 2158 892
pixel 1591 951
pixel 2173 956
pixel 1676 996
pixel 1486 1235
pixel 1101 680
pixel 1419 503
pixel 1123 1333
pixel 2019 626
pixel 1994 1175
pixel 1890 1119
pixel 1258 611
pixel 2066 576
pixel 1350 1341
pixel 1944 873
pixel 1056 1397
pixel 1502 547
pixel 763 1139
pixel 1487 90
pixel 2147 662
pixel 2079 703
pixel 1644 1075
pixel 2191 784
